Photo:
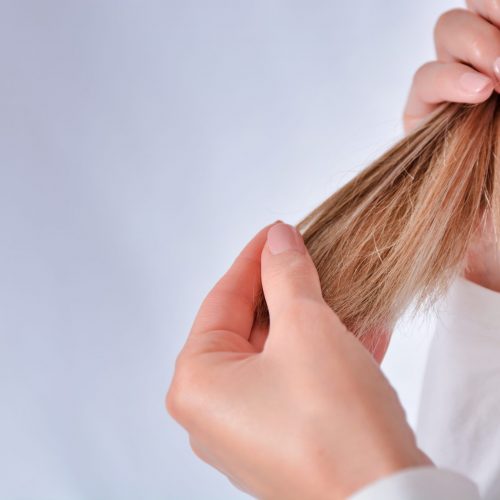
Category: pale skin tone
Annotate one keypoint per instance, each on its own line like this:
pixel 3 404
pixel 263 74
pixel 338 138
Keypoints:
pixel 269 417
pixel 467 70
pixel 302 410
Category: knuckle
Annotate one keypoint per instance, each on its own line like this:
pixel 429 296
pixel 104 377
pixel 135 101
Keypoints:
pixel 299 270
pixel 476 46
pixel 492 10
pixel 422 72
pixel 441 82
pixel 482 43
pixel 195 448
pixel 446 19
pixel 292 267
pixel 179 397
pixel 304 312
pixel 172 403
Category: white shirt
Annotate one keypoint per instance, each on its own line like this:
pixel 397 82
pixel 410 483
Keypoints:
pixel 459 417
pixel 420 483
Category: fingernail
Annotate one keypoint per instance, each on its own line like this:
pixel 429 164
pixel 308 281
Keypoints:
pixel 496 66
pixel 282 237
pixel 474 82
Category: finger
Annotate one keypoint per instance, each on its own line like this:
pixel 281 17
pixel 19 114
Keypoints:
pixel 288 272
pixel 463 36
pixel 230 304
pixel 437 82
pixel 488 9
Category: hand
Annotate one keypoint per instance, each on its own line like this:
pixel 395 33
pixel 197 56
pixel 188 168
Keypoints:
pixel 305 414
pixel 467 70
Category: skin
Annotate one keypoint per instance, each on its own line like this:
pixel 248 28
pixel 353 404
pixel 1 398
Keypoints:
pixel 468 48
pixel 302 410
pixel 294 419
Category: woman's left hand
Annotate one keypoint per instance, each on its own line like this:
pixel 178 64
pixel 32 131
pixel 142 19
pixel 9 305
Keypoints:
pixel 467 67
pixel 305 414
pixel 467 70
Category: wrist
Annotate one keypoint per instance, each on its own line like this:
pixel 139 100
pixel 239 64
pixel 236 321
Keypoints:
pixel 391 466
pixel 370 469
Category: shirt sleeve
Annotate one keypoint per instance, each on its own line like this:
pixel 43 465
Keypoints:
pixel 418 483
pixel 459 413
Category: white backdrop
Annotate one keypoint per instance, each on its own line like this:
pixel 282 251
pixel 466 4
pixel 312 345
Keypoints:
pixel 142 144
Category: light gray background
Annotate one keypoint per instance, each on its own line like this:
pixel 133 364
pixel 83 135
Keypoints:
pixel 142 144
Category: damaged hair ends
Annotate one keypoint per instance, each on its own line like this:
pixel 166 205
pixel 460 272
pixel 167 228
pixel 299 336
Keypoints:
pixel 397 234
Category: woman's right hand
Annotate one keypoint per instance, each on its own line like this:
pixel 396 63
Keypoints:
pixel 303 413
pixel 467 70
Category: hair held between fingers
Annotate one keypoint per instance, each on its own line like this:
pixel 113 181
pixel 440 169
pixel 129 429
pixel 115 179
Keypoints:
pixel 397 234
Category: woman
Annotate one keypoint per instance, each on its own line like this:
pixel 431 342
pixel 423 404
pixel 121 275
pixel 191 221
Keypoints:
pixel 287 416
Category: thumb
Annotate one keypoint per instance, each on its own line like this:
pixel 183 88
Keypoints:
pixel 287 270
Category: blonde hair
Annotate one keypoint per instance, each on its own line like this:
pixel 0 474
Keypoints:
pixel 398 232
